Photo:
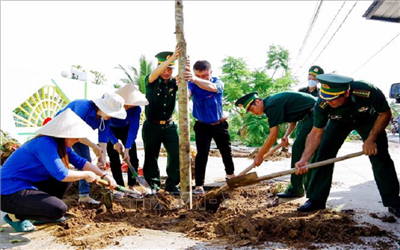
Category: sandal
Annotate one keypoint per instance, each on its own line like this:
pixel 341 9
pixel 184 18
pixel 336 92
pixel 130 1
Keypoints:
pixel 39 222
pixel 20 226
pixel 118 195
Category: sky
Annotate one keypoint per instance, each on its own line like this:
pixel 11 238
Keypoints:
pixel 50 36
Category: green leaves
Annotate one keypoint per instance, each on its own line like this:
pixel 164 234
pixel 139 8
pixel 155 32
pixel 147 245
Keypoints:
pixel 252 130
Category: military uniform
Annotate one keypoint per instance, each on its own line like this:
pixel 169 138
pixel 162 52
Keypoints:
pixel 358 114
pixel 284 107
pixel 307 91
pixel 159 128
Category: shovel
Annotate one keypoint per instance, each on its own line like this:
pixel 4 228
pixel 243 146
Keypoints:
pixel 108 201
pixel 252 176
pixel 214 193
pixel 293 170
pixel 141 180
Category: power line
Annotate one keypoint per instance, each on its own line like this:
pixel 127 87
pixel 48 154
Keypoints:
pixel 334 34
pixel 309 31
pixel 376 53
pixel 326 31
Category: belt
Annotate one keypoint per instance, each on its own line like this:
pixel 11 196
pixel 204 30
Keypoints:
pixel 161 122
pixel 223 119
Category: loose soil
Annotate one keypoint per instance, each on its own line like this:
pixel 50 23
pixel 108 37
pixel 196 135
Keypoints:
pixel 245 216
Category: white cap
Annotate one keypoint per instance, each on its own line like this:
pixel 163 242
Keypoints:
pixel 132 95
pixel 112 105
pixel 66 125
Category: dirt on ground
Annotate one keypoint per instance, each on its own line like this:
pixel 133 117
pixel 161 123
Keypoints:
pixel 246 216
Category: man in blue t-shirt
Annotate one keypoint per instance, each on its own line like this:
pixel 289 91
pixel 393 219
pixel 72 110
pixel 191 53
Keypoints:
pixel 206 92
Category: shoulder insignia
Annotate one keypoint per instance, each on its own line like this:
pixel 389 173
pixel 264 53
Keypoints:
pixel 361 93
pixel 323 105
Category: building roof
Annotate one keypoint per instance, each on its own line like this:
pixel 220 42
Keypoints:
pixel 384 10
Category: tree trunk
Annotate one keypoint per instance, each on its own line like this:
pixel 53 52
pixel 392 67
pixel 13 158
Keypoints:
pixel 184 131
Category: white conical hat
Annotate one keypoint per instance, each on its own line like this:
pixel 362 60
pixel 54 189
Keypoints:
pixel 66 125
pixel 132 95
pixel 111 104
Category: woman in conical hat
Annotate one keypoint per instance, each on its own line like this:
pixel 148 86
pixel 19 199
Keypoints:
pixel 36 176
pixel 126 130
pixel 96 113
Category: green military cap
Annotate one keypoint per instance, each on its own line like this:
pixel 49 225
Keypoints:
pixel 316 70
pixel 163 56
pixel 332 85
pixel 246 100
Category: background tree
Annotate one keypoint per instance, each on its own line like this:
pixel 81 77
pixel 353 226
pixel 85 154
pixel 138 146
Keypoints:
pixel 99 78
pixel 249 129
pixel 278 57
pixel 138 76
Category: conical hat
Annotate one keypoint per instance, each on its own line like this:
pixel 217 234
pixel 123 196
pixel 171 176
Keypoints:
pixel 66 125
pixel 111 104
pixel 132 95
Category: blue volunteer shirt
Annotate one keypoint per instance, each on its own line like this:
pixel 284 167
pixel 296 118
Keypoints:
pixel 36 160
pixel 86 110
pixel 131 120
pixel 207 105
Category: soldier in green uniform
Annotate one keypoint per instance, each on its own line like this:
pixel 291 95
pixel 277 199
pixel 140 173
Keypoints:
pixel 158 127
pixel 349 105
pixel 291 107
pixel 312 87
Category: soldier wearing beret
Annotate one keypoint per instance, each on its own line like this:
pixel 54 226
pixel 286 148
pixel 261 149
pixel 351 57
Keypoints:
pixel 349 105
pixel 312 87
pixel 158 127
pixel 291 107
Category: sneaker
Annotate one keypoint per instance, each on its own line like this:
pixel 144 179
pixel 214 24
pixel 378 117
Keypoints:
pixel 88 199
pixel 118 195
pixel 229 176
pixel 135 194
pixel 199 191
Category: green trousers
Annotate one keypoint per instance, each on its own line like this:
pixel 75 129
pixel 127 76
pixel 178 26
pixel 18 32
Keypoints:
pixel 334 135
pixel 153 135
pixel 298 183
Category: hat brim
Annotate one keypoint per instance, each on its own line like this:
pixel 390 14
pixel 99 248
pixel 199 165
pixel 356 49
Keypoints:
pixel 328 97
pixel 248 106
pixel 120 114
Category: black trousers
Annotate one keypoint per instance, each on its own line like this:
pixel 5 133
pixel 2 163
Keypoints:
pixel 204 133
pixel 115 161
pixel 44 204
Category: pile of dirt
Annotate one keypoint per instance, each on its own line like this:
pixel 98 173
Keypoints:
pixel 245 216
pixel 277 156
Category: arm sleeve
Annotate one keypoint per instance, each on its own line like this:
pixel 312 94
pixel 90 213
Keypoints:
pixel 379 101
pixel 112 137
pixel 75 159
pixel 220 86
pixel 320 114
pixel 191 87
pixel 133 128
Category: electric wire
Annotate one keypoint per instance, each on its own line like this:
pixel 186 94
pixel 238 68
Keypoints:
pixel 309 31
pixel 376 53
pixel 322 37
pixel 334 34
